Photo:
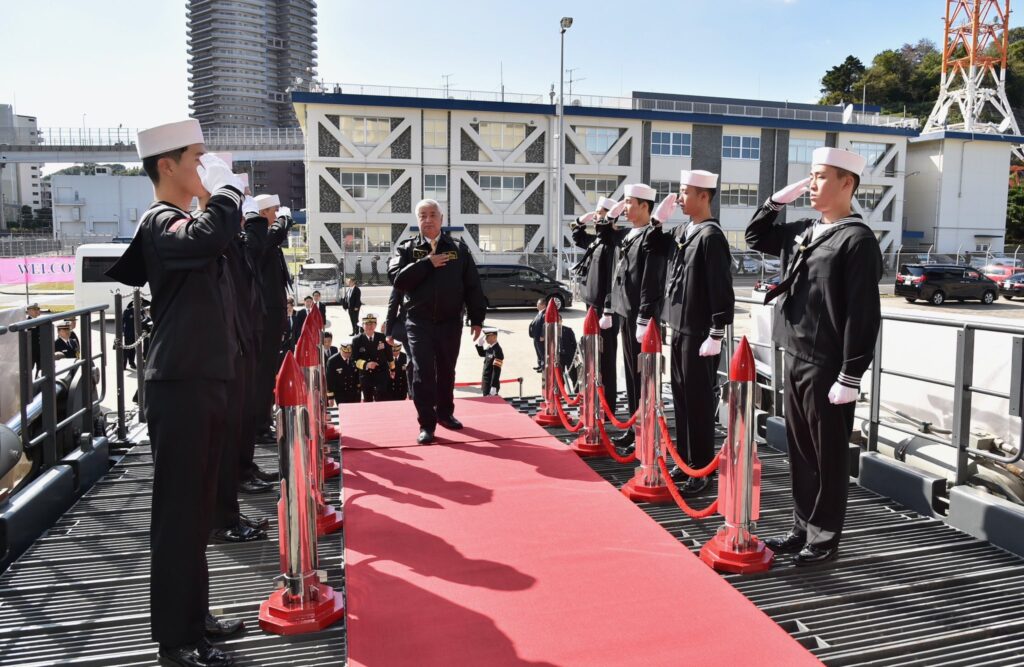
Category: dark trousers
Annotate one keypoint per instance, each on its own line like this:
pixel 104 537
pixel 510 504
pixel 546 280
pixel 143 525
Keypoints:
pixel 247 434
pixel 374 387
pixel 227 511
pixel 267 366
pixel 609 350
pixel 187 431
pixel 630 350
pixel 129 356
pixel 353 316
pixel 433 350
pixel 819 461
pixel 693 392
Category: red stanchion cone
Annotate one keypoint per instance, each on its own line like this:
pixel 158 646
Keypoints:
pixel 328 518
pixel 734 548
pixel 588 442
pixel 303 603
pixel 331 432
pixel 647 484
pixel 548 414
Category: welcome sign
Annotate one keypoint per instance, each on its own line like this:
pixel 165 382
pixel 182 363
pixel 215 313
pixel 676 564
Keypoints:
pixel 37 269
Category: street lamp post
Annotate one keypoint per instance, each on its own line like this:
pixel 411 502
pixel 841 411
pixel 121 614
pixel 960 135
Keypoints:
pixel 556 240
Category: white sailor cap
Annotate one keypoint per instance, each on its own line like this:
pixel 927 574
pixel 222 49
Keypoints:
pixel 226 157
pixel 490 330
pixel 606 203
pixel 837 157
pixel 163 138
pixel 641 191
pixel 698 178
pixel 266 201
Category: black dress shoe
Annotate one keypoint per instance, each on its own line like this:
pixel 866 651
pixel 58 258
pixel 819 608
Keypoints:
pixel 253 486
pixel 790 543
pixel 200 655
pixel 261 524
pixel 450 423
pixel 265 476
pixel 813 555
pixel 425 437
pixel 220 627
pixel 266 437
pixel 625 440
pixel 677 474
pixel 695 486
pixel 238 533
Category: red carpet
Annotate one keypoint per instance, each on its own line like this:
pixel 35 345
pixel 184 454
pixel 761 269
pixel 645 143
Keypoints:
pixel 393 423
pixel 515 553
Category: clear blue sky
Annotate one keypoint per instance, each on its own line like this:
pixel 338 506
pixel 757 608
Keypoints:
pixel 124 61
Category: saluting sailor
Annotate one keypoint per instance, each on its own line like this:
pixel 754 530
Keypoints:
pixel 698 305
pixel 827 315
pixel 487 347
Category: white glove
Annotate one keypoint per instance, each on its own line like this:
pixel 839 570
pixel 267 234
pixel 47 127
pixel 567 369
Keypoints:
pixel 840 395
pixel 494 391
pixel 586 218
pixel 605 322
pixel 284 212
pixel 215 174
pixel 665 208
pixel 792 192
pixel 710 347
pixel 249 206
pixel 641 329
pixel 480 340
pixel 616 211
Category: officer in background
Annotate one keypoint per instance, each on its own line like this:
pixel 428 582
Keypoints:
pixel 191 362
pixel 32 311
pixel 373 359
pixel 487 346
pixel 321 306
pixel 398 385
pixel 128 334
pixel 827 316
pixel 439 277
pixel 594 272
pixel 343 377
pixel 352 301
pixel 63 346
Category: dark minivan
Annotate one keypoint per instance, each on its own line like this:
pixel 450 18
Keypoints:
pixel 938 283
pixel 518 285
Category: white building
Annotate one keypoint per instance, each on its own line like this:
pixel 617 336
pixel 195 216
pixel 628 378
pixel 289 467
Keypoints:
pixel 369 158
pixel 20 183
pixel 98 208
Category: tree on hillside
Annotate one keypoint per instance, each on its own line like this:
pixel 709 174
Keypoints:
pixel 838 83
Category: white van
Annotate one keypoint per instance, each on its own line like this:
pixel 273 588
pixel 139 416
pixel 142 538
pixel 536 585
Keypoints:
pixel 92 286
pixel 324 278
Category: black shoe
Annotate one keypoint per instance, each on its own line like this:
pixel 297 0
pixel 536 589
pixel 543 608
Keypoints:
pixel 450 423
pixel 625 440
pixel 262 524
pixel 265 476
pixel 200 655
pixel 790 543
pixel 217 628
pixel 238 533
pixel 695 486
pixel 425 437
pixel 254 486
pixel 677 474
pixel 813 555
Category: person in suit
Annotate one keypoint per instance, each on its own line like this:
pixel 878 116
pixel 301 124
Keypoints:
pixel 343 377
pixel 321 306
pixel 374 360
pixel 291 334
pixel 352 301
pixel 329 349
pixel 536 332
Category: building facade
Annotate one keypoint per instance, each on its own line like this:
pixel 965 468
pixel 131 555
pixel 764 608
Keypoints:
pixel 98 208
pixel 370 158
pixel 20 183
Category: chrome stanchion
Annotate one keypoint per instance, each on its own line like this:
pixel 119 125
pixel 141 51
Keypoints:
pixel 588 442
pixel 548 414
pixel 647 484
pixel 331 468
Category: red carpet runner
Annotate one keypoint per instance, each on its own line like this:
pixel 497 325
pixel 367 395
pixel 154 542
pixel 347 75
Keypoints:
pixel 513 552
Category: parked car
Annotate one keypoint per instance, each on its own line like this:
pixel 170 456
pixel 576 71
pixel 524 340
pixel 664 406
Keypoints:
pixel 1012 286
pixel 938 283
pixel 999 272
pixel 767 283
pixel 518 285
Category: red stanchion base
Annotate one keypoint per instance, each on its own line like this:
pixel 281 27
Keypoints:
pixel 328 520
pixel 638 493
pixel 716 554
pixel 281 618
pixel 586 449
pixel 544 419
pixel 331 468
pixel 332 432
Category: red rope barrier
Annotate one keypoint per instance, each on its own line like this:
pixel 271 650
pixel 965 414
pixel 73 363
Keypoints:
pixel 680 501
pixel 611 413
pixel 610 448
pixel 565 419
pixel 692 472
pixel 571 402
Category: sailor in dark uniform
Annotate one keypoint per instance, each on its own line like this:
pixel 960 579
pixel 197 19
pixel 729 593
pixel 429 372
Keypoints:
pixel 398 384
pixel 594 271
pixel 343 377
pixel 63 346
pixel 191 361
pixel 394 329
pixel 487 346
pixel 827 315
pixel 637 285
pixel 32 311
pixel 698 305
pixel 373 359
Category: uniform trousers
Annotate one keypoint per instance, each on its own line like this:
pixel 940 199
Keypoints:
pixel 187 431
pixel 433 351
pixel 267 366
pixel 235 451
pixel 819 457
pixel 630 351
pixel 693 393
pixel 609 350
